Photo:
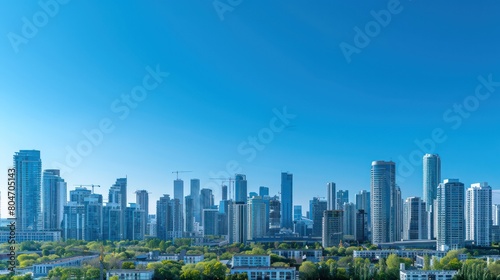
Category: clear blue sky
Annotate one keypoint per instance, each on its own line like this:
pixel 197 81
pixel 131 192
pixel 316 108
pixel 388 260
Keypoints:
pixel 226 77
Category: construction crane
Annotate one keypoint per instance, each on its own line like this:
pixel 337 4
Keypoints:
pixel 89 186
pixel 223 180
pixel 177 172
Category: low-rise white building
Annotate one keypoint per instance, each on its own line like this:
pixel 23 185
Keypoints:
pixel 43 269
pixel 270 273
pixel 427 274
pixel 311 255
pixel 131 274
pixel 243 260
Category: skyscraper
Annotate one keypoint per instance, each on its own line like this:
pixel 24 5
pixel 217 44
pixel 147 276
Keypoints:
pixel 274 215
pixel 179 189
pixel 74 221
pixel 206 199
pixel 224 193
pixel 93 217
pixel 317 208
pixel 195 194
pixel 287 200
pixel 54 197
pixel 210 222
pixel 385 203
pixel 28 167
pixel 257 217
pixel 349 226
pixel 414 219
pixel 332 232
pixel 342 197
pixel 163 221
pixel 112 227
pixel 188 201
pixel 450 210
pixel 263 191
pixel 330 195
pixel 431 178
pixel 496 214
pixel 297 212
pixel 136 222
pixel 79 194
pixel 238 222
pixel 142 200
pixel 478 220
pixel 241 192
pixel 363 203
pixel 118 194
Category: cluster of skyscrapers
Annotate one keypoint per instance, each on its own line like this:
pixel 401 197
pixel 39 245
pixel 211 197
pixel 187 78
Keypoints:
pixel 447 213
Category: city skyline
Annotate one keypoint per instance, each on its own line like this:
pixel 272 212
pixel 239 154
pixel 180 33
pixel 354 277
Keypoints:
pixel 130 194
pixel 229 82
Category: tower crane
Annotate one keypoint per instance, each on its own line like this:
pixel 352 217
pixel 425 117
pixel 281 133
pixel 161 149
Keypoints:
pixel 92 185
pixel 177 172
pixel 223 180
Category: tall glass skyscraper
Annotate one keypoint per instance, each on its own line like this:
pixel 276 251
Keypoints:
pixel 287 200
pixel 195 195
pixel 386 203
pixel 54 196
pixel 330 195
pixel 431 178
pixel 241 193
pixel 28 167
pixel 450 215
pixel 179 190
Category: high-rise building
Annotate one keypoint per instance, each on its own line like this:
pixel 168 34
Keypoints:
pixel 274 215
pixel 414 219
pixel 112 227
pixel 118 194
pixel 431 178
pixel 175 210
pixel 79 194
pixel 263 191
pixel 241 193
pixel 363 203
pixel 450 209
pixel 286 200
pixel 179 189
pixel 189 202
pixel 238 222
pixel 136 222
pixel 163 220
pixel 142 200
pixel 224 193
pixel 349 226
pixel 478 220
pixel 28 180
pixel 330 195
pixel 297 212
pixel 195 194
pixel 496 214
pixel 210 222
pixel 93 217
pixel 206 199
pixel 361 226
pixel 317 208
pixel 74 221
pixel 342 197
pixel 332 232
pixel 54 195
pixel 386 203
pixel 257 217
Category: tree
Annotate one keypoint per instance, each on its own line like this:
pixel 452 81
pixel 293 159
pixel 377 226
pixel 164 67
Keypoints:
pixel 237 276
pixel 427 262
pixel 214 270
pixel 190 274
pixel 308 271
pixel 114 278
pixel 128 265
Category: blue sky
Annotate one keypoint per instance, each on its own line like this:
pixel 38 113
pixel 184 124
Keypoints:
pixel 226 79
